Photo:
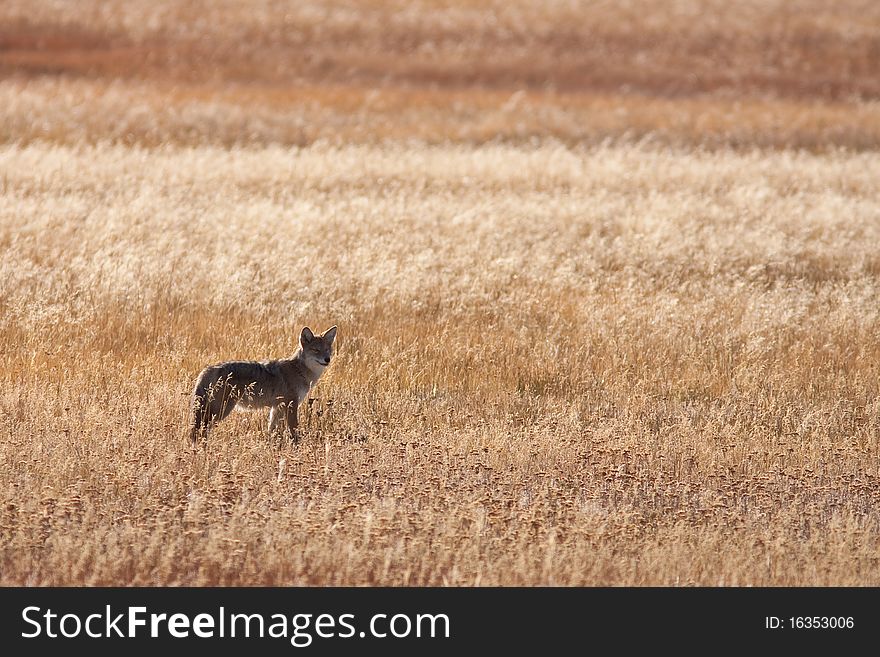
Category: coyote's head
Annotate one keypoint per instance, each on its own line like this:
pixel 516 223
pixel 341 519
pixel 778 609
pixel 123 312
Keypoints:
pixel 317 349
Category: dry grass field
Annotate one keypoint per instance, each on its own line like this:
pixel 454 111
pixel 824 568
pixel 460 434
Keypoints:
pixel 606 277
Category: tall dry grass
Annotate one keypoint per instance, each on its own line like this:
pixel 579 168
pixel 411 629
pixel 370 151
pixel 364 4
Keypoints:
pixel 606 277
pixel 618 365
pixel 709 73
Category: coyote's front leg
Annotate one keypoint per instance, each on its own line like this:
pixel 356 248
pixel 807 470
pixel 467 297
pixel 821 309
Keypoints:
pixel 276 413
pixel 284 412
pixel 292 420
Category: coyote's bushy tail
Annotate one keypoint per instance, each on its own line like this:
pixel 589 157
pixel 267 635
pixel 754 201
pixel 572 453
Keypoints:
pixel 198 410
pixel 197 419
pixel 213 398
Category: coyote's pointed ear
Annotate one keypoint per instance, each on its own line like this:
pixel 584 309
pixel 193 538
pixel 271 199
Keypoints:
pixel 306 336
pixel 330 334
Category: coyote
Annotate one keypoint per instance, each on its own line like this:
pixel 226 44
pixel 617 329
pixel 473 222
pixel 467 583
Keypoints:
pixel 278 384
